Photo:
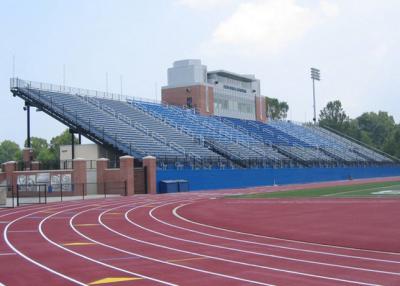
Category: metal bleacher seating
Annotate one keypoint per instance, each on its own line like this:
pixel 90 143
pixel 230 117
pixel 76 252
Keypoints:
pixel 220 137
pixel 105 125
pixel 181 137
pixel 157 128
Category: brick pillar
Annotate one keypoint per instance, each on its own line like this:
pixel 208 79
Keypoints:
pixel 35 165
pixel 126 173
pixel 261 109
pixel 9 168
pixel 27 157
pixel 149 163
pixel 79 176
pixel 101 166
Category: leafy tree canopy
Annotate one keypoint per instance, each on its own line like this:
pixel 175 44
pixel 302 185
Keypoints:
pixel 375 129
pixel 62 139
pixel 276 109
pixel 9 151
pixel 37 144
pixel 334 116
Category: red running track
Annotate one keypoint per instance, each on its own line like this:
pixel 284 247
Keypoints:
pixel 202 239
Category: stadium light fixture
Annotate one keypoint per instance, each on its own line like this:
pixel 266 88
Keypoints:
pixel 315 75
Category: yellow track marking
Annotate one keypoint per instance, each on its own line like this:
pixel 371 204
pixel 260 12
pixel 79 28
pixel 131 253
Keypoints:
pixel 114 280
pixel 187 259
pixel 114 213
pixel 78 243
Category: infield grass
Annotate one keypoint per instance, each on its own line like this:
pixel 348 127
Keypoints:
pixel 383 189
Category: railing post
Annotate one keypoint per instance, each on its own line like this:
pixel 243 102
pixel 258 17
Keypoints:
pixel 40 197
pixel 12 196
pixel 17 196
pixel 45 193
pixel 83 191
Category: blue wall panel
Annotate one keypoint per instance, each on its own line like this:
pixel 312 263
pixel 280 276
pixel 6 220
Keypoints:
pixel 240 178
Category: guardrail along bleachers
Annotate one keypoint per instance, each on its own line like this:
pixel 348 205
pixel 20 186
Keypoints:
pixel 219 136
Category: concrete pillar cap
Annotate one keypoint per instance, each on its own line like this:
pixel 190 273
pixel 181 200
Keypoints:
pixel 149 157
pixel 27 148
pixel 102 159
pixel 9 162
pixel 126 157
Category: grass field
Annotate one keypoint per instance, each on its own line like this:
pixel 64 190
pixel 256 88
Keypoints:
pixel 384 189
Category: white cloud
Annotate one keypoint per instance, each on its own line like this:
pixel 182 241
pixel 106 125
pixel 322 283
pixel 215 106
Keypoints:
pixel 329 9
pixel 202 4
pixel 267 26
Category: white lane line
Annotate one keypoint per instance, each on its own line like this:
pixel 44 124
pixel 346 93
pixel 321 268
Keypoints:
pixel 284 247
pixel 7 253
pixel 5 237
pixel 175 212
pixel 246 251
pixel 233 261
pixel 120 258
pixel 162 261
pixel 17 231
pixel 91 259
pixel 29 208
pixel 256 265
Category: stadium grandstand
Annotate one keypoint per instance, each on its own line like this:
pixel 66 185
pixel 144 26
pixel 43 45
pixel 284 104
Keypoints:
pixel 183 138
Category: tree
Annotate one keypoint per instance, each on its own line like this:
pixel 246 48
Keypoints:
pixel 276 109
pixel 392 145
pixel 62 139
pixel 379 126
pixel 9 151
pixel 334 116
pixel 37 145
pixel 374 129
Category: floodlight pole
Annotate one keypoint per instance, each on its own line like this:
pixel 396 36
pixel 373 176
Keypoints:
pixel 314 105
pixel 315 75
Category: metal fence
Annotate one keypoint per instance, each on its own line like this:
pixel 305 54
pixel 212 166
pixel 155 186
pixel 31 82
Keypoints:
pixel 53 165
pixel 45 193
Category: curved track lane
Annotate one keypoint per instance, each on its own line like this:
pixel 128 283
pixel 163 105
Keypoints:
pixel 173 240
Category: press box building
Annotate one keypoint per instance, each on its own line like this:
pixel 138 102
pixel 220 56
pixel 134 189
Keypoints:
pixel 219 92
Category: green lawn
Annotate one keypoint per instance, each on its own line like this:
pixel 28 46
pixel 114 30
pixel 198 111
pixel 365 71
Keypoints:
pixel 384 189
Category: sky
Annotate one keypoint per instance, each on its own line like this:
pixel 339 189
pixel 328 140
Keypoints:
pixel 354 43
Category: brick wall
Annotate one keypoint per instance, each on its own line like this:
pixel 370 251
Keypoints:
pixel 179 96
pixel 261 109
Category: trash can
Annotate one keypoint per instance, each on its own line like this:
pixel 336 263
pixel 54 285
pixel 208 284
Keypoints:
pixel 168 186
pixel 183 185
pixel 173 186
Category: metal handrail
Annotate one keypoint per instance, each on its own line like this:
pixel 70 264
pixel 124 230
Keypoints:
pixel 20 83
